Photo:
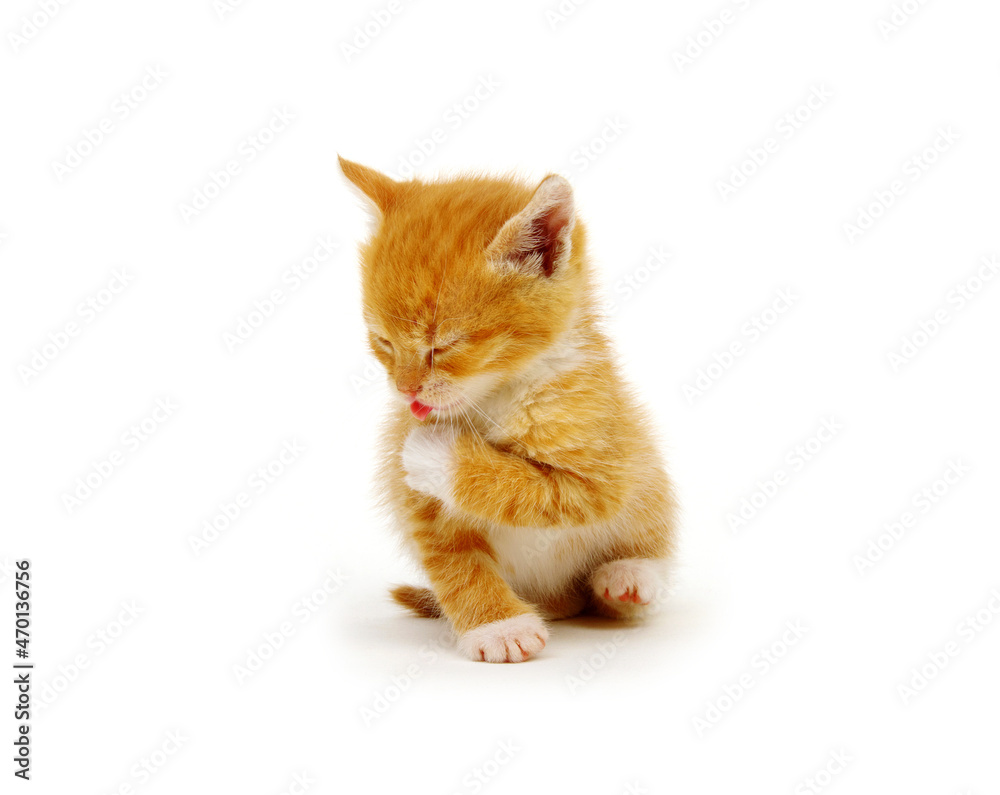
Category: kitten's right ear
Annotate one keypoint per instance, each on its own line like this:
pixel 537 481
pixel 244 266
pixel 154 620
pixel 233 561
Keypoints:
pixel 382 190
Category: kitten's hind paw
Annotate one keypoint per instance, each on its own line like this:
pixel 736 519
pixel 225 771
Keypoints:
pixel 627 583
pixel 510 640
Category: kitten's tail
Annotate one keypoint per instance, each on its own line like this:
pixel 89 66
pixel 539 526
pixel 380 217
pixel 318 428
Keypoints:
pixel 420 600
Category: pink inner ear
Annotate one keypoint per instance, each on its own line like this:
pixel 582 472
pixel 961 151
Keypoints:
pixel 537 238
pixel 547 228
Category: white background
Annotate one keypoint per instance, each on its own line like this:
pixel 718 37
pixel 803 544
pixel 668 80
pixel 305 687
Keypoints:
pixel 359 697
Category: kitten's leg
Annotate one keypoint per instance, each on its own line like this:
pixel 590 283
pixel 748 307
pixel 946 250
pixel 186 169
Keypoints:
pixel 492 623
pixel 622 588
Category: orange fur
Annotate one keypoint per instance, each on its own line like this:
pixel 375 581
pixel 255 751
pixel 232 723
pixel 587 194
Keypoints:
pixel 535 467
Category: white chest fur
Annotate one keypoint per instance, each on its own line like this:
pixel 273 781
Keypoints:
pixel 541 561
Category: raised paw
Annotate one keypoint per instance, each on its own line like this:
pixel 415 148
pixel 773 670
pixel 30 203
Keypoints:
pixel 625 583
pixel 510 640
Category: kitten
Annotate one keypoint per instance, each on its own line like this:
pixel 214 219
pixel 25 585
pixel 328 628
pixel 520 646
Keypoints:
pixel 518 463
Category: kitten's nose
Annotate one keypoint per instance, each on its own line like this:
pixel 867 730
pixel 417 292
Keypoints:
pixel 408 381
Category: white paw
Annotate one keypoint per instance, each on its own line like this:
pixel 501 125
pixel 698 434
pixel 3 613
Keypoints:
pixel 429 462
pixel 627 582
pixel 511 640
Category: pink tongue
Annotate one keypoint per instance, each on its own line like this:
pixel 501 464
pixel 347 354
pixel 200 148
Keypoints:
pixel 420 411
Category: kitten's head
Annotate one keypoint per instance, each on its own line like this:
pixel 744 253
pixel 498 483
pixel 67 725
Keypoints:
pixel 466 281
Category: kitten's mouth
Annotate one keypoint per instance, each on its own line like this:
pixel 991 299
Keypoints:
pixel 420 410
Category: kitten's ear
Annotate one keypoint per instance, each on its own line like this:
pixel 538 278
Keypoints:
pixel 382 190
pixel 537 239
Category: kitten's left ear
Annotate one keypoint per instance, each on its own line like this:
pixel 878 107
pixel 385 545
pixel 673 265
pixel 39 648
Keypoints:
pixel 382 190
pixel 537 239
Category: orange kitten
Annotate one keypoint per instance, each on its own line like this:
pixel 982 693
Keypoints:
pixel 519 465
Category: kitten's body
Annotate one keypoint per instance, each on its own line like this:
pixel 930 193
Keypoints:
pixel 543 563
pixel 532 488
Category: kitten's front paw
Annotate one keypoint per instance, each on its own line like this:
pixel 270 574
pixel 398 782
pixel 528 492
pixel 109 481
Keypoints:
pixel 510 640
pixel 429 462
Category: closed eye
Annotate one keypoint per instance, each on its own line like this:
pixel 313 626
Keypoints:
pixel 440 351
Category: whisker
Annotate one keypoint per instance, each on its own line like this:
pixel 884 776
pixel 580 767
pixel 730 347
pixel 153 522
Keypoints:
pixel 478 437
pixel 484 415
